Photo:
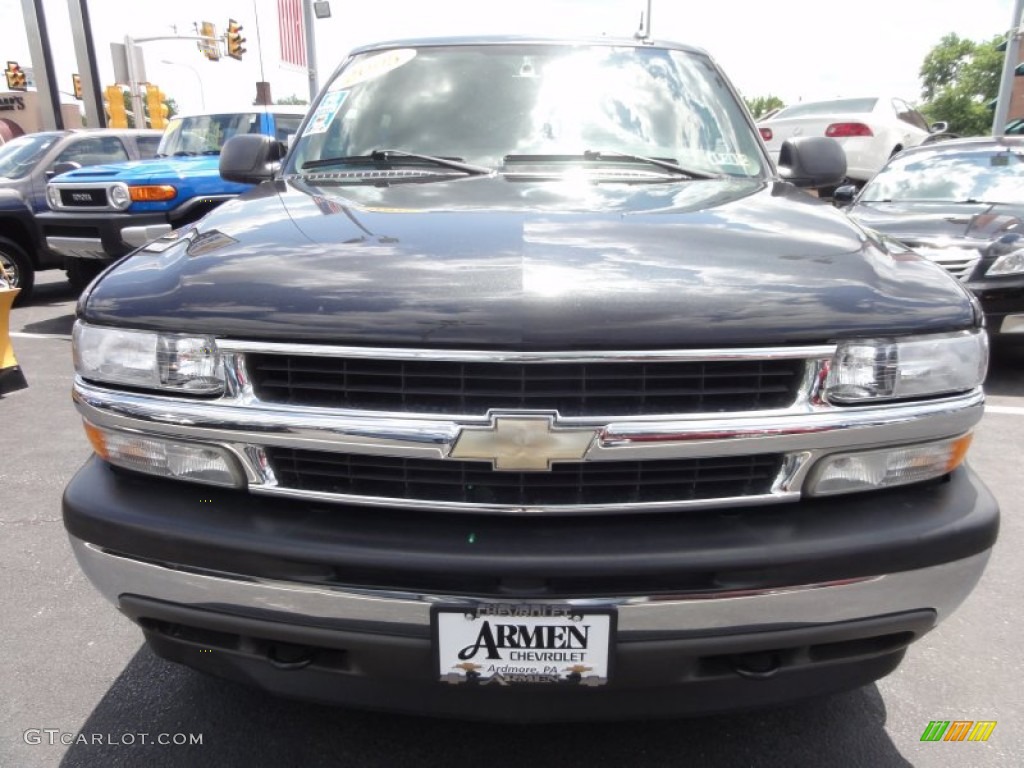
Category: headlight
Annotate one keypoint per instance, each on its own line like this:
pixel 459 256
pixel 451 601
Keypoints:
pixel 187 364
pixel 1008 264
pixel 53 197
pixel 119 196
pixel 890 369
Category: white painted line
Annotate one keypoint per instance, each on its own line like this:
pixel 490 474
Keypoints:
pixel 20 335
pixel 1008 409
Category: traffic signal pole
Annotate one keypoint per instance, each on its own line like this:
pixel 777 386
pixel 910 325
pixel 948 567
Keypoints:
pixel 42 64
pixel 1009 70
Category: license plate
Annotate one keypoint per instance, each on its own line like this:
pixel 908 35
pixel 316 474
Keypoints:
pixel 523 644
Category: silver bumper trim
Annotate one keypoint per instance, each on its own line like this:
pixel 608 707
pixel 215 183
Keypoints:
pixel 137 237
pixel 77 247
pixel 1012 324
pixel 941 588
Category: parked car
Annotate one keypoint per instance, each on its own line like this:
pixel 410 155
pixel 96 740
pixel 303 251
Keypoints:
pixel 545 399
pixel 26 164
pixel 870 129
pixel 102 213
pixel 960 204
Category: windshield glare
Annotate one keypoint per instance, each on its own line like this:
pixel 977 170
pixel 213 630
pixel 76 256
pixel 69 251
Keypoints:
pixel 990 175
pixel 482 103
pixel 205 134
pixel 19 156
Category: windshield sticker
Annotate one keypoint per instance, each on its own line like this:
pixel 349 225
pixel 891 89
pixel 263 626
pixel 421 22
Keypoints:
pixel 372 67
pixel 325 112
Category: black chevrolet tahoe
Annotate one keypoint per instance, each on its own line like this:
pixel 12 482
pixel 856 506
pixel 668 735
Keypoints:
pixel 526 387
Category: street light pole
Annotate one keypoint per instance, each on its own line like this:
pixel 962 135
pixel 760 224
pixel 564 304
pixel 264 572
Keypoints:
pixel 1009 65
pixel 202 93
pixel 307 24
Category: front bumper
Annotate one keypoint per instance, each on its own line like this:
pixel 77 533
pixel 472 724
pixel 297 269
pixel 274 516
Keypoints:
pixel 103 236
pixel 1002 300
pixel 715 611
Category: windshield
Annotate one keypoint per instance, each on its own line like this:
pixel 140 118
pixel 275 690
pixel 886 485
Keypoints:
pixel 990 174
pixel 205 134
pixel 483 103
pixel 837 107
pixel 19 156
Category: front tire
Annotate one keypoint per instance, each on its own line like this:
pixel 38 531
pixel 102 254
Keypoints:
pixel 82 271
pixel 17 268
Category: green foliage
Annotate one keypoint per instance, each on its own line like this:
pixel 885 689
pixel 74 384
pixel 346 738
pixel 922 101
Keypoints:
pixel 762 105
pixel 958 79
pixel 172 108
pixel 293 99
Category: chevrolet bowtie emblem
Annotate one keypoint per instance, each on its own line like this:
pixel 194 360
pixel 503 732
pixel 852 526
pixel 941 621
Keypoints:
pixel 522 442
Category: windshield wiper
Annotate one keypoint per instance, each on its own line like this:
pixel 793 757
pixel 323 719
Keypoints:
pixel 386 155
pixel 592 155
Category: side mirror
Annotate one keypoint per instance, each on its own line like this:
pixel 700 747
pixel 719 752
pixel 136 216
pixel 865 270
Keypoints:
pixel 844 195
pixel 939 127
pixel 812 161
pixel 65 167
pixel 250 158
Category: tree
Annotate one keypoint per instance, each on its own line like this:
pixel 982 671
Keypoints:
pixel 293 99
pixel 172 108
pixel 958 80
pixel 762 105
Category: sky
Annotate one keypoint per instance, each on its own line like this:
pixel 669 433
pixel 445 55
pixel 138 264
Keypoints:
pixel 799 50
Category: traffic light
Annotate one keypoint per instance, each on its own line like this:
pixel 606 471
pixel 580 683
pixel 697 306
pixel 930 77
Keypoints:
pixel 209 46
pixel 155 105
pixel 115 107
pixel 16 80
pixel 234 40
pixel 76 82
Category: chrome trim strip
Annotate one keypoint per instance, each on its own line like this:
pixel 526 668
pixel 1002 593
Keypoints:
pixel 941 588
pixel 225 421
pixel 77 247
pixel 546 510
pixel 501 356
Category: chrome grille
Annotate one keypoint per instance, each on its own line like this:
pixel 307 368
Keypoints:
pixel 959 262
pixel 611 389
pixel 472 482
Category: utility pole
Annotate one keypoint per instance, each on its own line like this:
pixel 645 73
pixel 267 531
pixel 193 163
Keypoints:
pixel 42 64
pixel 307 23
pixel 133 82
pixel 1009 70
pixel 85 54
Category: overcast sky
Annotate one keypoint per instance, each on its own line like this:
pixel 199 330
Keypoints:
pixel 795 49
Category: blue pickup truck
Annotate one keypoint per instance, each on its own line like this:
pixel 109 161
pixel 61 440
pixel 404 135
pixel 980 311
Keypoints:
pixel 101 213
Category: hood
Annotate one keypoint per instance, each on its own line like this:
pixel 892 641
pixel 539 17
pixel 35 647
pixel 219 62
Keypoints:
pixel 495 262
pixel 917 222
pixel 144 171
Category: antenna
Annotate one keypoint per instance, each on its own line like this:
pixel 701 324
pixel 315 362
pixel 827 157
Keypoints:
pixel 644 32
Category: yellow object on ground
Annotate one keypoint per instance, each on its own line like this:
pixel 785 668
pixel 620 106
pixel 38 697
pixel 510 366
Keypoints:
pixel 11 377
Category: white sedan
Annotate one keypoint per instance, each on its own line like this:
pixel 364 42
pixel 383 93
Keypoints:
pixel 870 130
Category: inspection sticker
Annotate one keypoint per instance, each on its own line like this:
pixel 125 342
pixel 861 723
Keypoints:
pixel 325 112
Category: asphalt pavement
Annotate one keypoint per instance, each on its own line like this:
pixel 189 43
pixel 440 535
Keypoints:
pixel 74 670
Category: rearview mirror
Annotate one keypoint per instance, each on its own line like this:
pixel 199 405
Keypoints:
pixel 844 195
pixel 250 158
pixel 939 127
pixel 812 161
pixel 64 167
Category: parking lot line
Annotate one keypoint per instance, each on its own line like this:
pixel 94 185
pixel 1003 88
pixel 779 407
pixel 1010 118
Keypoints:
pixel 1007 409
